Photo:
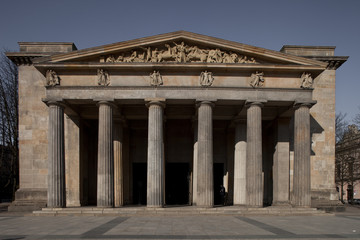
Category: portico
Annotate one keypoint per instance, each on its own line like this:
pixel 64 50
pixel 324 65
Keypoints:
pixel 167 120
pixel 155 117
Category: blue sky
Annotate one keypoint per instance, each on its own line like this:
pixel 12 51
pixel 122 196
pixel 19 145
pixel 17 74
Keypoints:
pixel 262 23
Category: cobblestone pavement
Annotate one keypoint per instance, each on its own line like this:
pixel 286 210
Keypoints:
pixel 344 225
pixel 180 227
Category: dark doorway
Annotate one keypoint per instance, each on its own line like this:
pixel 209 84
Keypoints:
pixel 177 183
pixel 139 183
pixel 218 181
pixel 88 162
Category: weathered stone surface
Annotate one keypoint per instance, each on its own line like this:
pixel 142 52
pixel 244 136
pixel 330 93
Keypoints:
pixel 195 164
pixel 155 166
pixel 72 161
pixel 281 167
pixel 56 179
pixel 118 165
pixel 105 183
pixel 301 192
pixel 205 188
pixel 240 163
pixel 254 176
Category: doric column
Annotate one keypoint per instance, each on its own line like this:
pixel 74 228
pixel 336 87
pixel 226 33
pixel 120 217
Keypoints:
pixel 302 147
pixel 281 166
pixel 254 177
pixel 205 181
pixel 240 163
pixel 56 175
pixel 155 164
pixel 72 160
pixel 118 165
pixel 105 181
pixel 195 163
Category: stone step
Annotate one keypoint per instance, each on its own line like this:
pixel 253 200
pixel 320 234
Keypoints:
pixel 142 211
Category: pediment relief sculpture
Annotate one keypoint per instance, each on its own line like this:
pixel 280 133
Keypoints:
pixel 103 77
pixel 206 79
pixel 180 53
pixel 257 79
pixel 306 81
pixel 52 78
pixel 156 79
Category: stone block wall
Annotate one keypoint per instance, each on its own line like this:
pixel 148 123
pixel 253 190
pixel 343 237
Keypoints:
pixel 323 137
pixel 33 137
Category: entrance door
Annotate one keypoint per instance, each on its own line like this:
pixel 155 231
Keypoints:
pixel 177 183
pixel 218 181
pixel 139 183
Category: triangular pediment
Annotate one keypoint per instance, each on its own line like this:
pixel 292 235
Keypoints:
pixel 180 47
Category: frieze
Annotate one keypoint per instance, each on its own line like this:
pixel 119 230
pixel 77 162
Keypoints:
pixel 180 53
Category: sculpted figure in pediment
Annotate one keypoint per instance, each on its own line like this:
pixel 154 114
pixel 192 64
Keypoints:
pixel 52 78
pixel 181 49
pixel 257 79
pixel 215 56
pixel 103 77
pixel 169 55
pixel 230 57
pixel 206 79
pixel 111 59
pixel 179 52
pixel 196 54
pixel 306 81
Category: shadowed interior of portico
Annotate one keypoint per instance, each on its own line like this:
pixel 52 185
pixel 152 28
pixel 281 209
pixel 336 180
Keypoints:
pixel 179 138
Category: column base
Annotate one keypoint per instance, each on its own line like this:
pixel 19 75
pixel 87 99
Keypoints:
pixel 281 204
pixel 153 206
pixel 200 206
pixel 105 206
pixel 253 206
pixel 27 200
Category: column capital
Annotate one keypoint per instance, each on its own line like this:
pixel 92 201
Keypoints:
pixel 58 102
pixel 155 101
pixel 259 103
pixel 209 102
pixel 308 104
pixel 109 102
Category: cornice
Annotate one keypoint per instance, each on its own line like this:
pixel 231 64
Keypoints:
pixel 333 62
pixel 183 36
pixel 315 69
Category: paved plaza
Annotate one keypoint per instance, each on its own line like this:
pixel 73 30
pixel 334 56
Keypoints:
pixel 333 226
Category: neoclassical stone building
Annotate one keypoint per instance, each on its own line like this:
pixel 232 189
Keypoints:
pixel 170 118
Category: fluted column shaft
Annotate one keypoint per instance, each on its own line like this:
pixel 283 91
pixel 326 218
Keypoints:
pixel 254 178
pixel 105 181
pixel 281 163
pixel 240 163
pixel 195 163
pixel 118 165
pixel 205 181
pixel 301 188
pixel 56 161
pixel 155 165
